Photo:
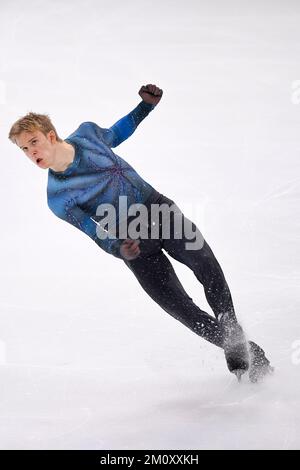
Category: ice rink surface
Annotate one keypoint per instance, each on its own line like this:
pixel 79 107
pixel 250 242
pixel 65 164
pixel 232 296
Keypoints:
pixel 87 359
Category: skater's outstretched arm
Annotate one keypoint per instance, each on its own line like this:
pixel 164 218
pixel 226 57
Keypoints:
pixel 125 127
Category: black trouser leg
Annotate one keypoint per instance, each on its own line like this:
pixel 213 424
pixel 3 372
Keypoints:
pixel 156 275
pixel 208 271
pixel 201 261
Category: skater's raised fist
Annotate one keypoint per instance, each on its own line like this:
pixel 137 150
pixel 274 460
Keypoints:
pixel 151 94
pixel 130 249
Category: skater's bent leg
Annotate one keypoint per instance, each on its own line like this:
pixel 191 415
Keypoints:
pixel 201 261
pixel 156 275
pixel 192 250
pixel 209 272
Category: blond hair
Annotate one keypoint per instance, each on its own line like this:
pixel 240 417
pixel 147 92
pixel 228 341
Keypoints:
pixel 30 123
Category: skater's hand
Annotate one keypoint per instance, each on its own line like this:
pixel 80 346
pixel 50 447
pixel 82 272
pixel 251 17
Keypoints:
pixel 151 94
pixel 130 249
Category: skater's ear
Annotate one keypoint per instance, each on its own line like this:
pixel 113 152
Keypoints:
pixel 51 136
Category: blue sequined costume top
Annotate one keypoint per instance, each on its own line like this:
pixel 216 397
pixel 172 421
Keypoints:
pixel 97 175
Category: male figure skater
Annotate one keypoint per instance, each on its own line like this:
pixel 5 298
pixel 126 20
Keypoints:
pixel 84 173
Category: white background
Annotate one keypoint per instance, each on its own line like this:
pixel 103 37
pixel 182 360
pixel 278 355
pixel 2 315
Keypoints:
pixel 88 360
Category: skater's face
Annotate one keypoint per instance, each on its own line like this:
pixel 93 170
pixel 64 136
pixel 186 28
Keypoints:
pixel 38 147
